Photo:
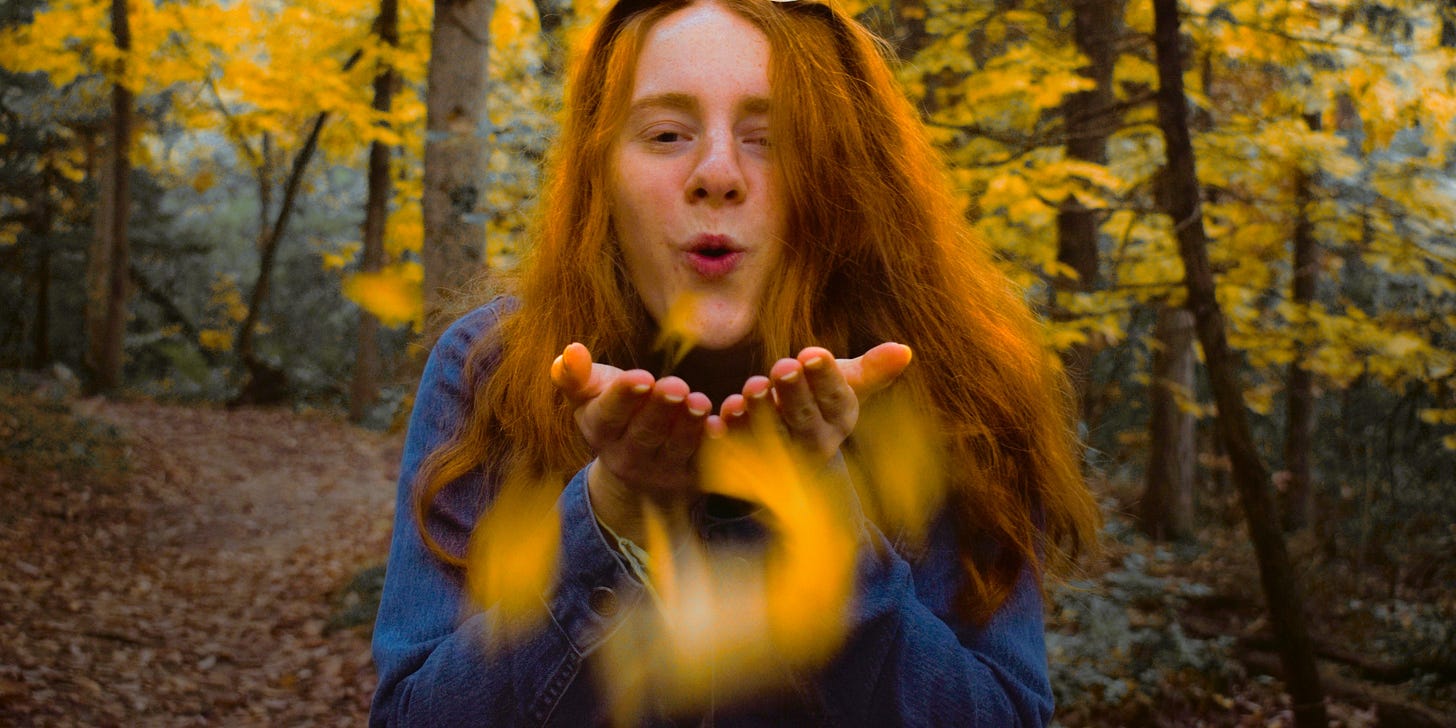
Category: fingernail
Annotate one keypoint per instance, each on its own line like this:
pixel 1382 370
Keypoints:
pixel 696 411
pixel 791 376
pixel 759 394
pixel 640 388
pixel 672 398
pixel 816 363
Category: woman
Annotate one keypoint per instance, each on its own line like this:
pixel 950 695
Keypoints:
pixel 743 177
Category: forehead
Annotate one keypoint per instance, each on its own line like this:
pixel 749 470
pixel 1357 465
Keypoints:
pixel 703 49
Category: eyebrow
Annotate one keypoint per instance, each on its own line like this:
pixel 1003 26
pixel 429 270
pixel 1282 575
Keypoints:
pixel 688 102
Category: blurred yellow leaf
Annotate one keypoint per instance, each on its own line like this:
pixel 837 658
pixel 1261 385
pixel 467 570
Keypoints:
pixel 391 294
pixel 512 555
pixel 898 447
pixel 679 332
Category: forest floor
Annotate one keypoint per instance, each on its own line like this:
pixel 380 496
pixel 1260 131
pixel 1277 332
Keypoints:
pixel 170 565
pixel 181 565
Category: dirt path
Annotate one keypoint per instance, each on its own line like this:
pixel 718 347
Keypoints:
pixel 198 588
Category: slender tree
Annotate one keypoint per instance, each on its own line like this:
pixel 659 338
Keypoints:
pixel 1299 423
pixel 1089 118
pixel 1166 509
pixel 265 382
pixel 1281 589
pixel 106 299
pixel 365 385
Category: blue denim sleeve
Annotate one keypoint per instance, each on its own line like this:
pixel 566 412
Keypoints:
pixel 911 661
pixel 430 646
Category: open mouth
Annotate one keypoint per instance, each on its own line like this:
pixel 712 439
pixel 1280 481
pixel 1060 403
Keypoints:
pixel 713 252
pixel 713 256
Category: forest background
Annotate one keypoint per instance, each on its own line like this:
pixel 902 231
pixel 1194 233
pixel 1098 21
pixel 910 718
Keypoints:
pixel 263 203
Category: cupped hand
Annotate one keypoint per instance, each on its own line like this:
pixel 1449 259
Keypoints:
pixel 815 397
pixel 644 432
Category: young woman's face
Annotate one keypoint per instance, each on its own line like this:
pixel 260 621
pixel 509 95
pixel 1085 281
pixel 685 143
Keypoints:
pixel 694 202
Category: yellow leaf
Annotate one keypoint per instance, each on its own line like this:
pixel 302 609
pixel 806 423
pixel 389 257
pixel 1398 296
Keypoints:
pixel 512 555
pixel 898 446
pixel 215 340
pixel 680 330
pixel 390 295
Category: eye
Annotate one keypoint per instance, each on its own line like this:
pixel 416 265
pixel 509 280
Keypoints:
pixel 665 137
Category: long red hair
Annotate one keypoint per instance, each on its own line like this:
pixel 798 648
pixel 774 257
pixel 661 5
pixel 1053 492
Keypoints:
pixel 876 251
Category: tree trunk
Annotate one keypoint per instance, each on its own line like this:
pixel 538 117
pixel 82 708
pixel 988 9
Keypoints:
pixel 1166 510
pixel 365 386
pixel 98 257
pixel 1299 425
pixel 108 327
pixel 455 120
pixel 44 218
pixel 1251 477
pixel 1089 117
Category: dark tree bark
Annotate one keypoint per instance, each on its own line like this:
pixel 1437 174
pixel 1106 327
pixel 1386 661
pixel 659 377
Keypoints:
pixel 1299 425
pixel 1281 589
pixel 1089 118
pixel 42 219
pixel 107 317
pixel 454 184
pixel 365 386
pixel 1166 510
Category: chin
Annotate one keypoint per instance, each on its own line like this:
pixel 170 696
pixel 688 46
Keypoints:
pixel 719 335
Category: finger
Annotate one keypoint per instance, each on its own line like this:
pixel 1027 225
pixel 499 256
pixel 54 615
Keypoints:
pixel 687 430
pixel 836 400
pixel 734 407
pixel 758 406
pixel 578 377
pixel 604 418
pixel 714 427
pixel 572 369
pixel 875 369
pixel 797 407
pixel 650 427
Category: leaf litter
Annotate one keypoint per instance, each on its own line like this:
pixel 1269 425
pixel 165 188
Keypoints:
pixel 181 566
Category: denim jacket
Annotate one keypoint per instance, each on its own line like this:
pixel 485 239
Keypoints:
pixel 907 659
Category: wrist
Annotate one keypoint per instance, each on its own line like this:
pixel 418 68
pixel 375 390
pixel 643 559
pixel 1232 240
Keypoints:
pixel 613 503
pixel 622 507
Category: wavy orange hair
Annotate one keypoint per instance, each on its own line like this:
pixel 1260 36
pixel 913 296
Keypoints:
pixel 876 251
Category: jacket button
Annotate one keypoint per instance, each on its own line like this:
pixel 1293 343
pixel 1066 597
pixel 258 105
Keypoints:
pixel 603 601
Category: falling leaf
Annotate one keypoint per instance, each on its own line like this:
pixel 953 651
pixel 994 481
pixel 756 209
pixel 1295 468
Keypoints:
pixel 678 331
pixel 511 560
pixel 899 450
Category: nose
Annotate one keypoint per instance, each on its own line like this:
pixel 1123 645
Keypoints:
pixel 718 177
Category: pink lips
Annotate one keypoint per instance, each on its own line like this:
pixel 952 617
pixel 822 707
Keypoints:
pixel 713 256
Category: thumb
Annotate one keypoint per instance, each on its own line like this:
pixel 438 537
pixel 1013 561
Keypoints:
pixel 875 369
pixel 572 372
